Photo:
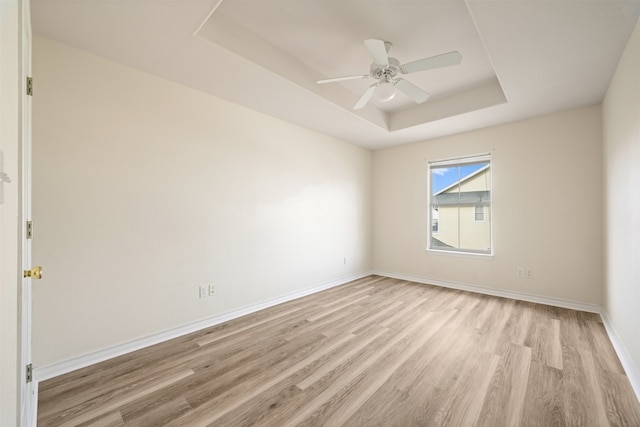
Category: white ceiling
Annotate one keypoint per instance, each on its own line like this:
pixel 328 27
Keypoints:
pixel 520 58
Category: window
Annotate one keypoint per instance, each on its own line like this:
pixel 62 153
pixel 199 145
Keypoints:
pixel 460 205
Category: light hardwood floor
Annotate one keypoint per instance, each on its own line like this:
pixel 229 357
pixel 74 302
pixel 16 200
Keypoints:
pixel 374 352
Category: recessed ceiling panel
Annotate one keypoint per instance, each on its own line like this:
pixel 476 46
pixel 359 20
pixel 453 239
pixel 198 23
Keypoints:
pixel 305 41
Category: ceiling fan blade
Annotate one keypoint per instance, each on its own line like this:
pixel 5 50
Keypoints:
pixel 365 97
pixel 339 79
pixel 444 60
pixel 378 51
pixel 411 90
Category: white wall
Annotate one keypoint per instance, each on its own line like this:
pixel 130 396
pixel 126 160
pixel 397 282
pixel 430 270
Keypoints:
pixel 546 213
pixel 9 211
pixel 145 189
pixel 621 126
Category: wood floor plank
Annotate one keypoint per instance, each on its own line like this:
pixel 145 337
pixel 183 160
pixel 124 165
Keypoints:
pixel 391 320
pixel 603 351
pixel 223 386
pixel 330 310
pixel 318 406
pixel 113 400
pixel 619 399
pixel 279 400
pixel 156 409
pixel 387 366
pixel 463 403
pixel 242 398
pixel 418 385
pixel 504 402
pixel 543 405
pixel 598 408
pixel 422 384
pixel 296 368
pixel 545 342
pixel 324 370
pixel 111 419
pixel 374 352
pixel 523 322
pixel 115 373
pixel 251 327
pixel 204 415
pixel 497 330
pixel 577 405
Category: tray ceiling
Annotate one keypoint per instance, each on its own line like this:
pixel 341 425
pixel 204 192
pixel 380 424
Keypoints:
pixel 519 58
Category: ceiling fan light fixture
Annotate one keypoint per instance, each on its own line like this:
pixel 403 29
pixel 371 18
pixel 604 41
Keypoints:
pixel 385 92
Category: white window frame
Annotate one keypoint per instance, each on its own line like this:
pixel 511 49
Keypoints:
pixel 454 162
pixel 475 213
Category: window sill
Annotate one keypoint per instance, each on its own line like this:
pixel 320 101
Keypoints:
pixel 460 254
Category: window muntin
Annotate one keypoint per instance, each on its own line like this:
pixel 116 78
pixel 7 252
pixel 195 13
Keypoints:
pixel 460 205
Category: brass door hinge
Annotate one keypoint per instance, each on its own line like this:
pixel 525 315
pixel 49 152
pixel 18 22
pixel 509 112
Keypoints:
pixel 29 229
pixel 30 86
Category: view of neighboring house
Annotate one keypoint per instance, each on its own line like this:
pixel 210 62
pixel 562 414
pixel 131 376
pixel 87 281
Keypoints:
pixel 461 213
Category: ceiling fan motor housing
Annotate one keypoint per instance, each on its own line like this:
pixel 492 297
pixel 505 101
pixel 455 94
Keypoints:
pixel 386 72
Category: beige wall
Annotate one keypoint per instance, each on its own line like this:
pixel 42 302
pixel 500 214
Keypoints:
pixel 621 124
pixel 546 213
pixel 145 189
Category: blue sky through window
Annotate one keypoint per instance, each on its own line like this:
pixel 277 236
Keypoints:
pixel 442 177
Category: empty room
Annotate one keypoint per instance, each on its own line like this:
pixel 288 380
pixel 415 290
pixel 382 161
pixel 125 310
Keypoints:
pixel 320 213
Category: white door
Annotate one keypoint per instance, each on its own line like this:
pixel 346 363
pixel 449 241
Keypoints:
pixel 15 154
pixel 29 389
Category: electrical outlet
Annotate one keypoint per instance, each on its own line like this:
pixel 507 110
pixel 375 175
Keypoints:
pixel 212 290
pixel 204 291
pixel 529 273
pixel 520 272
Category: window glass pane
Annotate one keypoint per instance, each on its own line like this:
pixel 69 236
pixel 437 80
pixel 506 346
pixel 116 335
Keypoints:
pixel 435 218
pixel 460 206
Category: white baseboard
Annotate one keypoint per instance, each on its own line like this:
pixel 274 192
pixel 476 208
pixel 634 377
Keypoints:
pixel 632 371
pixel 59 368
pixel 556 302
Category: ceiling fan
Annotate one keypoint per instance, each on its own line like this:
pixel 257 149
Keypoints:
pixel 385 69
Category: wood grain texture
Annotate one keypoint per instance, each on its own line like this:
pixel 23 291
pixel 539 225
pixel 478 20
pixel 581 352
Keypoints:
pixel 373 352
